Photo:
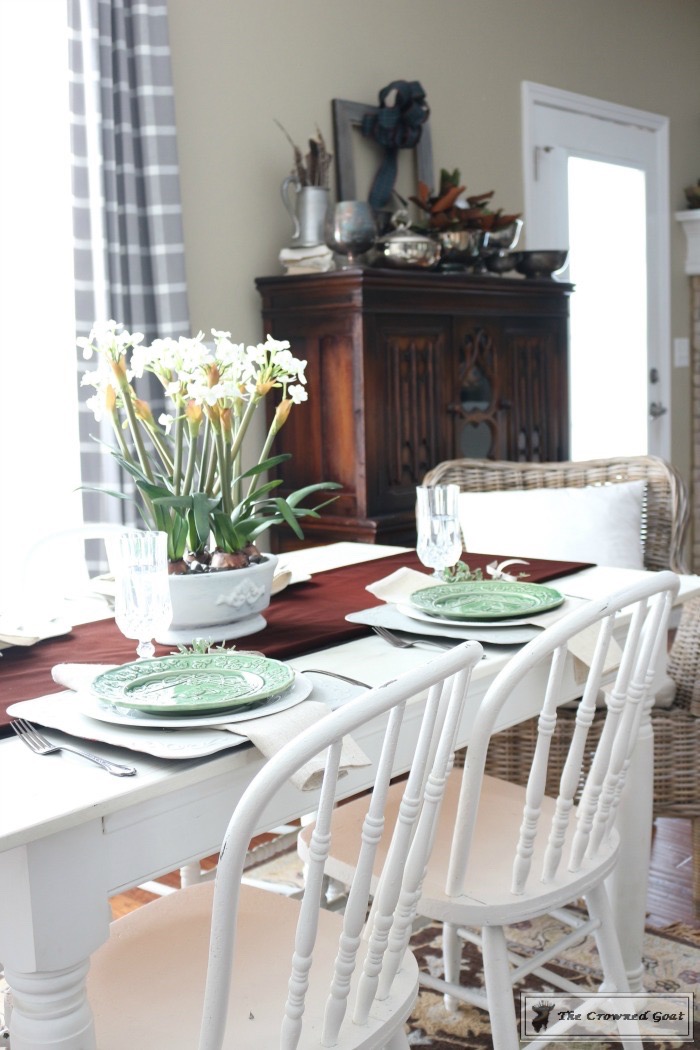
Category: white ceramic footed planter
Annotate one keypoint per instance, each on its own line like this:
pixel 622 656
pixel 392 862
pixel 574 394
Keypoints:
pixel 218 606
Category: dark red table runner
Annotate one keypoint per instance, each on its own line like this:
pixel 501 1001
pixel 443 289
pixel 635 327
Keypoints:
pixel 305 617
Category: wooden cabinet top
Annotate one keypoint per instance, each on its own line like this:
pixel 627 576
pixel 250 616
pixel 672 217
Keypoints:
pixel 370 290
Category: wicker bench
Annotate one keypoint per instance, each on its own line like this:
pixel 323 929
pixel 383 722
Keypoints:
pixel 664 523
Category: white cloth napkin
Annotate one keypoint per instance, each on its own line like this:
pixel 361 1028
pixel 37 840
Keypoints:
pixel 400 585
pixel 268 733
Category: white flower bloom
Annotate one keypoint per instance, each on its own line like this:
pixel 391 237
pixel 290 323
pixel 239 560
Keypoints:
pixel 201 393
pixel 89 379
pixel 87 347
pixel 230 390
pixel 256 355
pixel 274 346
pixel 96 406
pixel 231 354
pixel 100 377
pixel 300 367
pixel 109 339
pixel 195 355
pixel 283 361
pixel 205 381
pixel 139 360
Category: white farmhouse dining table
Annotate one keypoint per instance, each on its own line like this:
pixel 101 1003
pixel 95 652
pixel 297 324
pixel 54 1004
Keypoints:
pixel 71 836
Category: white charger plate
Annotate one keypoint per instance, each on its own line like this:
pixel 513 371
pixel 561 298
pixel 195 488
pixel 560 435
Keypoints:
pixel 95 708
pixel 417 614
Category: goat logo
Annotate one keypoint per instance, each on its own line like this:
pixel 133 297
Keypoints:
pixel 542 1010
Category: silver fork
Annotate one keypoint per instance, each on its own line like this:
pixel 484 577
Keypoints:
pixel 405 643
pixel 37 743
pixel 334 674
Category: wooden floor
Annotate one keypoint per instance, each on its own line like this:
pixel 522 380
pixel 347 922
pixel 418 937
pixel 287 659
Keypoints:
pixel 670 897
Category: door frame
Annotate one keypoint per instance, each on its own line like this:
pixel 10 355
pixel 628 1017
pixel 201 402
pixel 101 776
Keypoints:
pixel 659 326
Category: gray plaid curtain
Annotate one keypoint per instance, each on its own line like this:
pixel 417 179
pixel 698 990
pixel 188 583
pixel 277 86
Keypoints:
pixel 127 222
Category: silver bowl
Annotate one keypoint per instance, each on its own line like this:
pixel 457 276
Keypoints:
pixel 407 250
pixel 501 262
pixel 461 246
pixel 542 263
pixel 505 238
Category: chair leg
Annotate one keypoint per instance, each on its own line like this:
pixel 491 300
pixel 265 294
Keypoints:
pixel 398 1041
pixel 613 965
pixel 499 989
pixel 451 961
pixel 614 974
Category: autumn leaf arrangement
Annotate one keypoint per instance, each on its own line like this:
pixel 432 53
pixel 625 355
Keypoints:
pixel 452 208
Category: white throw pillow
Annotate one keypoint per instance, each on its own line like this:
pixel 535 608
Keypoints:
pixel 598 523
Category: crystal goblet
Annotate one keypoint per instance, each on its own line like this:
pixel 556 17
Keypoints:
pixel 439 536
pixel 142 606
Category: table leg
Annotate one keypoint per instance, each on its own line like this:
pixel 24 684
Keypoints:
pixel 54 913
pixel 190 874
pixel 50 1010
pixel 627 885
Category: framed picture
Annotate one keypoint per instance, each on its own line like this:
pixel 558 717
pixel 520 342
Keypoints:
pixel 357 158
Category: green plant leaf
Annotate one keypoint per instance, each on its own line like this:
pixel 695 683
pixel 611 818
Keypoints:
pixel 262 489
pixel 105 492
pixel 288 515
pixel 177 538
pixel 227 537
pixel 296 497
pixel 266 464
pixel 202 506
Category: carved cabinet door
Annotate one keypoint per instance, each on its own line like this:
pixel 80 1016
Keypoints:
pixel 408 429
pixel 510 391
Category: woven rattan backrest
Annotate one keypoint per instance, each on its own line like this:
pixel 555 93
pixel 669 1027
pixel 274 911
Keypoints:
pixel 664 512
pixel 416 738
pixel 625 657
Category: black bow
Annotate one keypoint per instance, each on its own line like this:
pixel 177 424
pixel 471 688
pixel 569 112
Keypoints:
pixel 394 127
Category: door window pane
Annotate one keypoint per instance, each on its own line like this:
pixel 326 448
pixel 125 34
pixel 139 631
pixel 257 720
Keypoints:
pixel 607 265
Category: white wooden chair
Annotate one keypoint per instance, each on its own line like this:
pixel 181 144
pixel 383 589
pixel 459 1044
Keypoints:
pixel 281 972
pixel 664 521
pixel 505 854
pixel 56 568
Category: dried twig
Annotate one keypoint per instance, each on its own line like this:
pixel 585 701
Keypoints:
pixel 314 169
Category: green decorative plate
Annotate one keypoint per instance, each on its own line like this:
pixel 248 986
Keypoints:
pixel 486 600
pixel 194 683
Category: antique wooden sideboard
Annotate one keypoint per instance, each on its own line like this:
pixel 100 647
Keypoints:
pixel 406 369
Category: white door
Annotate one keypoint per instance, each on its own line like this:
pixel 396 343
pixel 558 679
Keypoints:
pixel 596 182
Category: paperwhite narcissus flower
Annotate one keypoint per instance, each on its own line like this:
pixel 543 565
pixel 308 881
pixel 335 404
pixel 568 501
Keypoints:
pixel 96 405
pixel 187 466
pixel 110 339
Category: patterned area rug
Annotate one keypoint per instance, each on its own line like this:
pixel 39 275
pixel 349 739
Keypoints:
pixel 671 963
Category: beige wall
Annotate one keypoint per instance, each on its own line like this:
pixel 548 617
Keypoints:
pixel 239 64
